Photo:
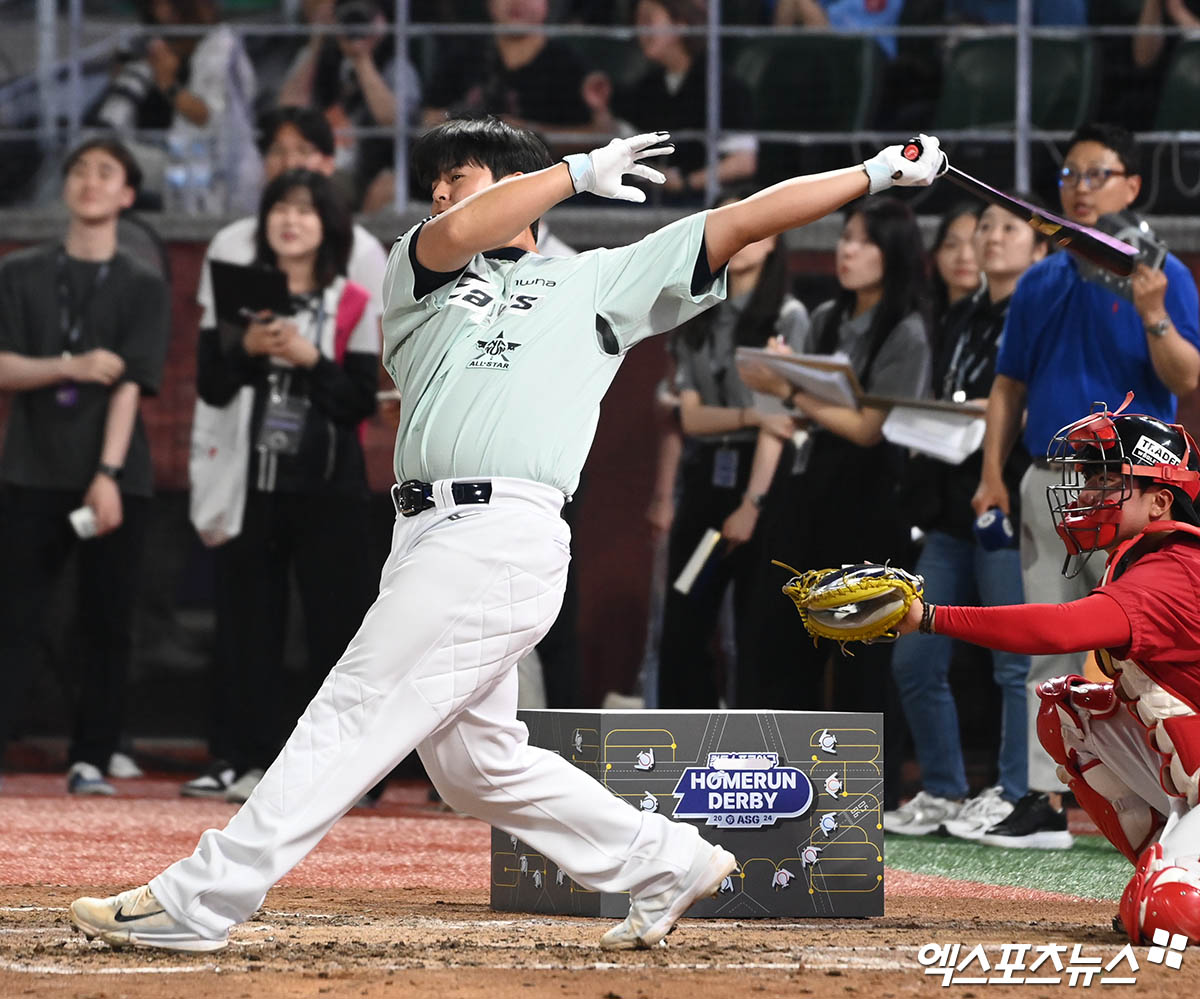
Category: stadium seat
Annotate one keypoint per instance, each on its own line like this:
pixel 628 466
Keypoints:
pixel 620 58
pixel 979 83
pixel 1171 170
pixel 808 83
pixel 1179 104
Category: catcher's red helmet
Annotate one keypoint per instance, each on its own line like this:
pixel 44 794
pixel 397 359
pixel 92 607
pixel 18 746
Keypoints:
pixel 1099 456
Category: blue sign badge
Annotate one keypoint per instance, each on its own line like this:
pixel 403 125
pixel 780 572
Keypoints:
pixel 742 790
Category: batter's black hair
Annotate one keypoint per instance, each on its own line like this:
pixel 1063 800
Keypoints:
pixel 1114 137
pixel 337 226
pixel 480 140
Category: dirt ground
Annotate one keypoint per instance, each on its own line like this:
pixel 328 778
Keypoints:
pixel 418 942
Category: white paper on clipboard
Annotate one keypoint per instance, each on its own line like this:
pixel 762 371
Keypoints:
pixel 829 377
pixel 946 435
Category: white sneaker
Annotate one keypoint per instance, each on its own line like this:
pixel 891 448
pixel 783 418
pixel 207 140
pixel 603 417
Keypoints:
pixel 136 918
pixel 122 767
pixel 85 778
pixel 244 786
pixel 651 918
pixel 921 816
pixel 979 814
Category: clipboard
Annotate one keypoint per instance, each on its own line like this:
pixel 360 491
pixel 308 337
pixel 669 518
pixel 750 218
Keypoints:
pixel 238 288
pixel 938 405
pixel 829 377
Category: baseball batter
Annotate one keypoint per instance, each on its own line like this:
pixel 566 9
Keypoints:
pixel 501 358
pixel 1128 749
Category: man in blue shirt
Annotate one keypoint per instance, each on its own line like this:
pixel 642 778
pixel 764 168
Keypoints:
pixel 1069 342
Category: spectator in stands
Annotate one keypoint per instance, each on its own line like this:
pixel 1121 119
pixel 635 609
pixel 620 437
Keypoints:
pixel 523 77
pixel 306 501
pixel 1148 49
pixel 1070 342
pixel 358 80
pixel 878 321
pixel 83 335
pixel 290 138
pixel 955 270
pixel 953 559
pixel 849 15
pixel 731 450
pixel 200 89
pixel 672 95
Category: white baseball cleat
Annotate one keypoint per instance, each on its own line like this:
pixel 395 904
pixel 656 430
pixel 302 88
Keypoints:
pixel 651 918
pixel 135 918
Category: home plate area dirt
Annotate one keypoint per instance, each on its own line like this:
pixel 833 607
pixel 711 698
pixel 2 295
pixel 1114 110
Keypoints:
pixel 419 942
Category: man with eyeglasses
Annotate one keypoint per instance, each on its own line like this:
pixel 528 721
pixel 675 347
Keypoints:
pixel 1067 343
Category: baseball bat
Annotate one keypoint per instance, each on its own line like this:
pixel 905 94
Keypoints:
pixel 1098 247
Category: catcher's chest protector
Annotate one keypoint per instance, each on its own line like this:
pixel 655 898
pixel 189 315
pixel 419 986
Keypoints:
pixel 1172 725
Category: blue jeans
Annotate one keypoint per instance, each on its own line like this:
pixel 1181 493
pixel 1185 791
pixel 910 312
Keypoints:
pixel 960 572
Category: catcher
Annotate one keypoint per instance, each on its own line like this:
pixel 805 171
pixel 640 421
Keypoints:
pixel 1129 749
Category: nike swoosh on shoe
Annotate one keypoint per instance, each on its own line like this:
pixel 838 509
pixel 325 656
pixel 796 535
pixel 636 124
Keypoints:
pixel 120 917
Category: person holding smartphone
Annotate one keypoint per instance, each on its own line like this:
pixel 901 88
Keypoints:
pixel 314 375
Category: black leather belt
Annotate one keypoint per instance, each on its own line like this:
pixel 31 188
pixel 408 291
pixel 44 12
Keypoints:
pixel 414 496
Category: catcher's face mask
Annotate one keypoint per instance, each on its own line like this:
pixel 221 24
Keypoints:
pixel 1098 457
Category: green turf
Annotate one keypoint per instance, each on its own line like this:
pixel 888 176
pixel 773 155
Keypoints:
pixel 1092 868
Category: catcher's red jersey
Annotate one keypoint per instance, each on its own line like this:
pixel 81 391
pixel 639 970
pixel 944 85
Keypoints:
pixel 1160 594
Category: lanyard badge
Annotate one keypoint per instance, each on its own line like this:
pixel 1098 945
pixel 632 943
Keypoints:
pixel 70 322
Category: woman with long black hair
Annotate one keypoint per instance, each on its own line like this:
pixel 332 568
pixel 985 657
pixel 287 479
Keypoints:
pixel 731 450
pixel 841 504
pixel 313 377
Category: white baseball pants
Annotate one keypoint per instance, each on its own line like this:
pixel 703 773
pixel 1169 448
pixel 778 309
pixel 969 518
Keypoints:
pixel 1120 742
pixel 465 593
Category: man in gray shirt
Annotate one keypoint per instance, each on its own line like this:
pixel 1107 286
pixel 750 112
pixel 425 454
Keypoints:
pixel 501 358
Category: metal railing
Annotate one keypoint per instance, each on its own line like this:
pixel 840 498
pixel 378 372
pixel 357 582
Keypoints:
pixel 57 80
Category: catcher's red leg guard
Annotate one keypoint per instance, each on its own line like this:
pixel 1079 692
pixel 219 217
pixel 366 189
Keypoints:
pixel 1162 896
pixel 1179 737
pixel 1126 819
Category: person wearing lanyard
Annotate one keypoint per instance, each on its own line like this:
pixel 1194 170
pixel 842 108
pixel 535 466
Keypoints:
pixel 83 335
pixel 314 377
pixel 972 566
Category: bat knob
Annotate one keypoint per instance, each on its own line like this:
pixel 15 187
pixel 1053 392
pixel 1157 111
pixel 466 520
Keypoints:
pixel 912 150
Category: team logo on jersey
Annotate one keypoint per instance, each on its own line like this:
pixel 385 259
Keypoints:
pixel 742 789
pixel 493 353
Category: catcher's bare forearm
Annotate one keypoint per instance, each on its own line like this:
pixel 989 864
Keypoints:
pixel 1095 622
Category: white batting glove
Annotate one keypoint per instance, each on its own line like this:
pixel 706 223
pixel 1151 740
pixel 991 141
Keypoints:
pixel 602 170
pixel 891 166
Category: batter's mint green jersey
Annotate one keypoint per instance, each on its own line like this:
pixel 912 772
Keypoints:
pixel 501 367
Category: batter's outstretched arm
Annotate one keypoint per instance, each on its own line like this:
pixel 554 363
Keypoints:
pixel 500 214
pixel 493 217
pixel 801 200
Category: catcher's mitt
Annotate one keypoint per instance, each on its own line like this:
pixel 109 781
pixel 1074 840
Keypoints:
pixel 856 603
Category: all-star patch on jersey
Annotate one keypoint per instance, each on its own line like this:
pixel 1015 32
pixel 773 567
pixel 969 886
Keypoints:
pixel 501 366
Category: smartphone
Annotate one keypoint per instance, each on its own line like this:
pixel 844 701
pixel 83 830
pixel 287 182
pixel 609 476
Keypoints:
pixel 257 316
